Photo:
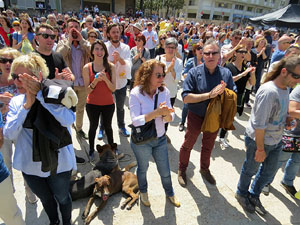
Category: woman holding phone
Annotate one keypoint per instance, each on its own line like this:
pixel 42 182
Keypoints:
pixel 100 81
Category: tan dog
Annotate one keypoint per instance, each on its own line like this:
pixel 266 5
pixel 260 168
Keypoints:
pixel 108 185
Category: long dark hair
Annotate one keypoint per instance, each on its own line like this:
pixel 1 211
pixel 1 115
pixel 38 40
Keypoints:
pixel 105 60
pixel 6 20
pixel 289 63
pixel 29 24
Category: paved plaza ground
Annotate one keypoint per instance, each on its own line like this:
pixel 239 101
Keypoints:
pixel 201 203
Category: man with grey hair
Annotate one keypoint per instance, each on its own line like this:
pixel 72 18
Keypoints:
pixel 52 20
pixel 89 26
pixel 202 83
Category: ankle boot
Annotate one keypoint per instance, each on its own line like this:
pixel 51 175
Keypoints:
pixel 182 178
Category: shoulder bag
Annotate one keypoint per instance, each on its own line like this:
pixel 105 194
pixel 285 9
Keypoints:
pixel 147 132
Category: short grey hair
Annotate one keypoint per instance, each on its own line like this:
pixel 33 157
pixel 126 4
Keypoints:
pixel 170 41
pixel 212 41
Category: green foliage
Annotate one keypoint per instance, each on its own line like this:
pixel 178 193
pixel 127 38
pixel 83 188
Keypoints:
pixel 155 5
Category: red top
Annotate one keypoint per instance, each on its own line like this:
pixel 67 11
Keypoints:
pixel 131 41
pixel 101 95
pixel 5 35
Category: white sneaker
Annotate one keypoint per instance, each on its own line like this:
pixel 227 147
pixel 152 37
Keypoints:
pixel 223 142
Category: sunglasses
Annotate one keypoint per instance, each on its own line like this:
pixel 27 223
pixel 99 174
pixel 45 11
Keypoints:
pixel 16 25
pixel 4 60
pixel 242 52
pixel 199 48
pixel 163 38
pixel 159 75
pixel 45 36
pixel 15 76
pixel 210 53
pixel 92 36
pixel 294 75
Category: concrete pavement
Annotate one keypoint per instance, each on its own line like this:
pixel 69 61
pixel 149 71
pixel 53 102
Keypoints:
pixel 201 203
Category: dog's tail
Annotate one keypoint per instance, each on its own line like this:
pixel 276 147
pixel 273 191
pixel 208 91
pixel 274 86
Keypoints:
pixel 129 166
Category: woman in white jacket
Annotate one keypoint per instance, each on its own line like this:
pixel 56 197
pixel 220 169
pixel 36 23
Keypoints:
pixel 173 69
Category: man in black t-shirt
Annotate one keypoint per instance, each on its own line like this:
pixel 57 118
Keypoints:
pixel 58 69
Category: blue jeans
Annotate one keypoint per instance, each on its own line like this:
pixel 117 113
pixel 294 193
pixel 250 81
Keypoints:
pixel 264 171
pixel 51 189
pixel 157 148
pixel 184 113
pixel 291 168
pixel 120 101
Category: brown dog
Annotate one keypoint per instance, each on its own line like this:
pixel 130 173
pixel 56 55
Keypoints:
pixel 107 185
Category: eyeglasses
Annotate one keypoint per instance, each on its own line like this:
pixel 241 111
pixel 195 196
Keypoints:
pixel 45 36
pixel 164 38
pixel 159 75
pixel 199 48
pixel 294 75
pixel 5 60
pixel 210 53
pixel 15 76
pixel 237 38
pixel 89 21
pixel 92 36
pixel 171 47
pixel 242 52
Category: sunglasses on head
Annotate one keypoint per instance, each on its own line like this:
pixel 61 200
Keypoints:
pixel 210 53
pixel 159 75
pixel 5 60
pixel 14 76
pixel 294 75
pixel 45 36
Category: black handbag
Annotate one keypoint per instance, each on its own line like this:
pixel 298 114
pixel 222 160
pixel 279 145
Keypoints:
pixel 147 132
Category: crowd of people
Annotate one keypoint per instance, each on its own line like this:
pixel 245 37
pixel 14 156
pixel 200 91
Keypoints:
pixel 105 56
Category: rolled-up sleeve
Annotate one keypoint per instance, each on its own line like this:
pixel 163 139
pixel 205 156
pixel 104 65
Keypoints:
pixel 135 111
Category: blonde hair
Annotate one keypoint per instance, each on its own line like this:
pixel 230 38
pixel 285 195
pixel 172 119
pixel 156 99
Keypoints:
pixel 33 62
pixel 258 40
pixel 11 52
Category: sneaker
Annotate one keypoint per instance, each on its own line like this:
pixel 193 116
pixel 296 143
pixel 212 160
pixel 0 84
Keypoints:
pixel 174 200
pixel 266 190
pixel 124 132
pixel 82 134
pixel 30 196
pixel 208 177
pixel 245 203
pixel 289 189
pixel 247 105
pixel 100 135
pixel 223 142
pixel 181 127
pixel 145 199
pixel 257 205
pixel 79 160
pixel 182 178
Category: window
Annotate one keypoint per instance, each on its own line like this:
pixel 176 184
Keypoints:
pixel 249 9
pixel 191 2
pixel 239 7
pixel 192 15
pixel 205 17
pixel 258 10
pixel 222 5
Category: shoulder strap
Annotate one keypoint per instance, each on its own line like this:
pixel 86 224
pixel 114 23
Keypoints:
pixel 159 57
pixel 91 68
pixel 155 102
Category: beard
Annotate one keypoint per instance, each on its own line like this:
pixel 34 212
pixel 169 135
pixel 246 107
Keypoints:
pixel 115 41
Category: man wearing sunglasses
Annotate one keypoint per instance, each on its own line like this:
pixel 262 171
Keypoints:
pixel 202 83
pixel 263 134
pixel 89 26
pixel 228 51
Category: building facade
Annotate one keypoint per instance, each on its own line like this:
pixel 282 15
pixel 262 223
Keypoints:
pixel 38 7
pixel 227 10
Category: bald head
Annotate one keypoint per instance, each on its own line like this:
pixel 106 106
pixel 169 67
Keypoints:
pixel 284 42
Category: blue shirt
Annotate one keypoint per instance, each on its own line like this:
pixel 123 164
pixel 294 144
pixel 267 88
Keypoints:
pixel 76 65
pixel 13 130
pixel 199 81
pixel 277 56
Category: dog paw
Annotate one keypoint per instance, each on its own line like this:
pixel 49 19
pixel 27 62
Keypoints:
pixel 129 207
pixel 123 206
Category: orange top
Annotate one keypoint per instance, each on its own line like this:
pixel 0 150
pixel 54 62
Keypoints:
pixel 101 95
